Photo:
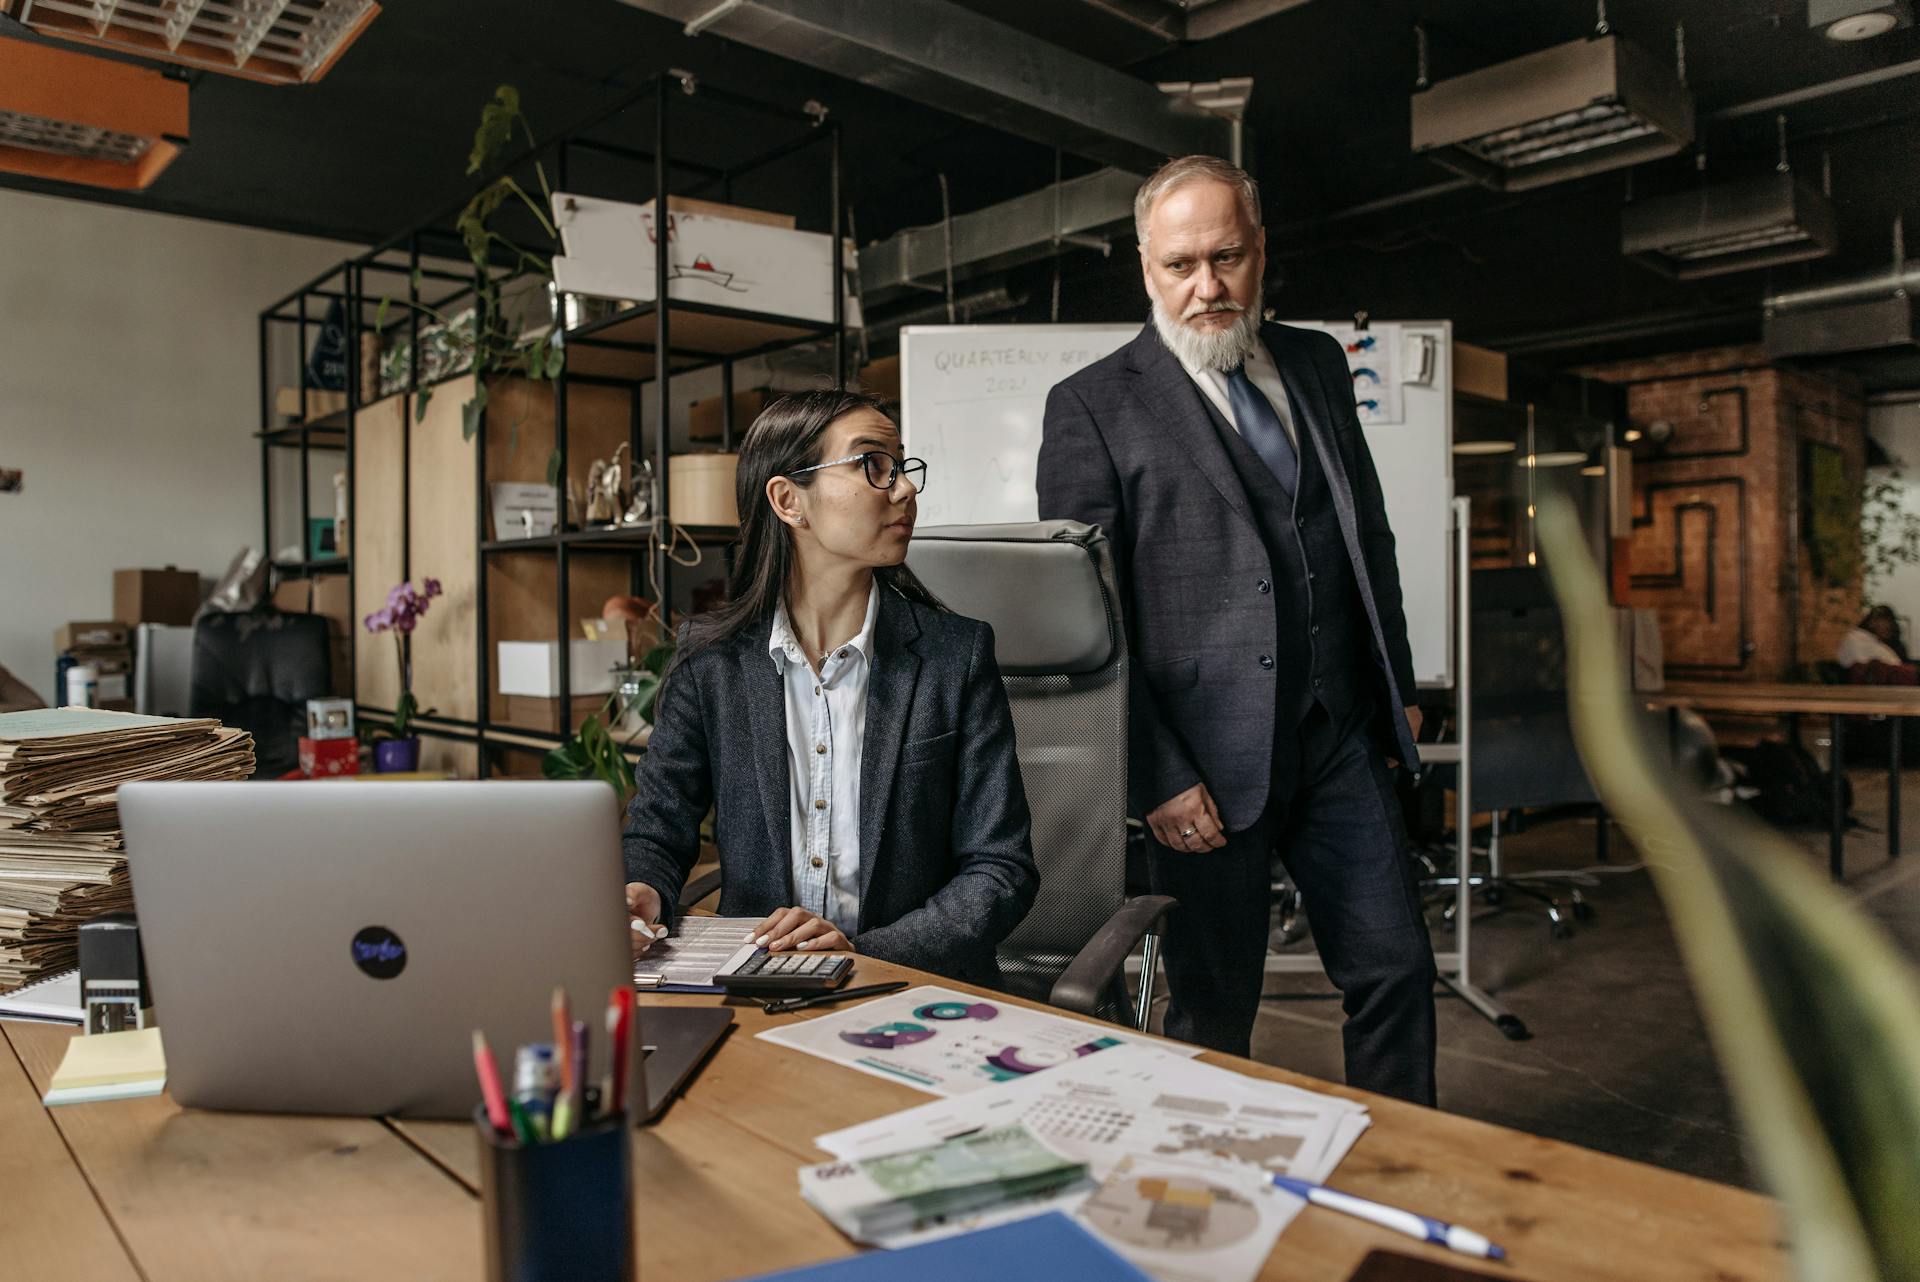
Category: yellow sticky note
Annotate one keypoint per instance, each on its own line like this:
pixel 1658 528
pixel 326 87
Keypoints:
pixel 109 1066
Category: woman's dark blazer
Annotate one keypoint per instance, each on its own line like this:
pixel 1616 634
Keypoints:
pixel 946 859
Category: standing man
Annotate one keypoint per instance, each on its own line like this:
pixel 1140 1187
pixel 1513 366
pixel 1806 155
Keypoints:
pixel 1272 682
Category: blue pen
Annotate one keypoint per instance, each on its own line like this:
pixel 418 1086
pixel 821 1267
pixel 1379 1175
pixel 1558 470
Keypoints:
pixel 1451 1236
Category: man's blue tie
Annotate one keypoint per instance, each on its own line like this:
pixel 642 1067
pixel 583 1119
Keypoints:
pixel 1260 427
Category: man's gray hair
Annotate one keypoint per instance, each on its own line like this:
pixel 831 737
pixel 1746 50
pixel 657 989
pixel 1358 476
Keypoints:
pixel 1178 173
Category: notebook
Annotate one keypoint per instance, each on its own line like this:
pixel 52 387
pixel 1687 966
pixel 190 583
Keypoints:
pixel 1045 1248
pixel 53 1000
pixel 109 1066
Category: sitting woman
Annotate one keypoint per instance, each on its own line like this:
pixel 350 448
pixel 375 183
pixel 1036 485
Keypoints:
pixel 851 732
pixel 1874 652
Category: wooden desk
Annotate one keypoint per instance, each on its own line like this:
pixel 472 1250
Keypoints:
pixel 1793 700
pixel 141 1188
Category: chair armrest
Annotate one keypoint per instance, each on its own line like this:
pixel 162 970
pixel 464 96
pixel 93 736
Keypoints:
pixel 1086 977
pixel 699 888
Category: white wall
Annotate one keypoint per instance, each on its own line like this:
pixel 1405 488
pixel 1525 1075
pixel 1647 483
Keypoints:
pixel 1897 429
pixel 129 392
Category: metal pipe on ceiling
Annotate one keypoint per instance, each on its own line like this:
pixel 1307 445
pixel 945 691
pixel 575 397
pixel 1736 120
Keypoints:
pixel 1853 290
pixel 1812 93
pixel 937 53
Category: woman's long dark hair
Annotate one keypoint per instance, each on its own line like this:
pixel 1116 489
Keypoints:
pixel 783 439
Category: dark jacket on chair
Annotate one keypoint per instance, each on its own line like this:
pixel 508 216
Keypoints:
pixel 946 860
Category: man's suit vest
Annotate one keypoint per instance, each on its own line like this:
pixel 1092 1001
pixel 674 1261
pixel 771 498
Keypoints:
pixel 1321 626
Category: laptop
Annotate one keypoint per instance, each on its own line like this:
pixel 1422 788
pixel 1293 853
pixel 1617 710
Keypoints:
pixel 330 946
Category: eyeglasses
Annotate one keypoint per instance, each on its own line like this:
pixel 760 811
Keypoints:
pixel 883 470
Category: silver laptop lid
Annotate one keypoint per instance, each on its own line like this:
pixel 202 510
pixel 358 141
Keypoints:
pixel 329 947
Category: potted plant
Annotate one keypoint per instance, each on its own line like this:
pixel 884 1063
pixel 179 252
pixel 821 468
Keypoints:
pixel 399 616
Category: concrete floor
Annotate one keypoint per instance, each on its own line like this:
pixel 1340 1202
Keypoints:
pixel 1619 1059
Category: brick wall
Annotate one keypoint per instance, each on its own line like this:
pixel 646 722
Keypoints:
pixel 1718 544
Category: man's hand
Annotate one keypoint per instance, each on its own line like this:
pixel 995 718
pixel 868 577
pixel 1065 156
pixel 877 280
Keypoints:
pixel 1189 822
pixel 797 928
pixel 644 908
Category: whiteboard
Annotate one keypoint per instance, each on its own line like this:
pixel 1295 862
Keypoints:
pixel 973 398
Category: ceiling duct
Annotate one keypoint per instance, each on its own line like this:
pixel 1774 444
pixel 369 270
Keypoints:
pixel 1724 227
pixel 1576 109
pixel 278 41
pixel 936 53
pixel 71 117
pixel 1001 236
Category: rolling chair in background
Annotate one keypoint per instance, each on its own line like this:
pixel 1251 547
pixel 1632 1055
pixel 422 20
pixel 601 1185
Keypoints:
pixel 1523 749
pixel 256 671
pixel 1048 590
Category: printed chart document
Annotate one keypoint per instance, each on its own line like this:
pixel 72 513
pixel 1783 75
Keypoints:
pixel 689 957
pixel 947 1043
pixel 1181 1152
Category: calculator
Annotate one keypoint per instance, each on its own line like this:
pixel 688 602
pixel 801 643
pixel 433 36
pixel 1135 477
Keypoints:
pixel 763 972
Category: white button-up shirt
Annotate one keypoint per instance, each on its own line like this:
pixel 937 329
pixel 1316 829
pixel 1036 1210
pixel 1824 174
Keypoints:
pixel 1262 373
pixel 826 727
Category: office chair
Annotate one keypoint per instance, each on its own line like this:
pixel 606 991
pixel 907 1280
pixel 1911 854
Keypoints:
pixel 1523 749
pixel 256 671
pixel 1048 590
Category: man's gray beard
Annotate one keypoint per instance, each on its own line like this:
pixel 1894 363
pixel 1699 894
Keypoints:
pixel 1222 350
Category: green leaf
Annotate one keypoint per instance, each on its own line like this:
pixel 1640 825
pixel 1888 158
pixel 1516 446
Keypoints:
pixel 380 313
pixel 420 399
pixel 415 279
pixel 556 361
pixel 553 467
pixel 537 358
pixel 472 414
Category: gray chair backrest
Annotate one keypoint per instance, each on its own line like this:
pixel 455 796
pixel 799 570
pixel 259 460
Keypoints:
pixel 1048 589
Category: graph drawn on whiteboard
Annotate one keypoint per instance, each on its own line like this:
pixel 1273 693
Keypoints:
pixel 972 399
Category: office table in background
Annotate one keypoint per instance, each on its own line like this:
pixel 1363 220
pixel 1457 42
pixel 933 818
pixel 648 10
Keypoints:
pixel 141 1189
pixel 1793 700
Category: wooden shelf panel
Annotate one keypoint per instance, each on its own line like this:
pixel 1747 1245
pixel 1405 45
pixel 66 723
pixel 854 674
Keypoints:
pixel 621 346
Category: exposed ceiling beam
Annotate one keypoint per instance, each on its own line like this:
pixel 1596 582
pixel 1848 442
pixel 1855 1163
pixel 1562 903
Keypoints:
pixel 939 54
pixel 1000 236
pixel 1218 17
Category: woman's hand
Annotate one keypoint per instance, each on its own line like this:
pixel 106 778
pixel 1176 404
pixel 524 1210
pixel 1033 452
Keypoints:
pixel 644 908
pixel 796 928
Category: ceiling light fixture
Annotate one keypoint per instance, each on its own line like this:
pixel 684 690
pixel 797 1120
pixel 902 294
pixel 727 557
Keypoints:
pixel 1484 447
pixel 1575 109
pixel 1851 20
pixel 1551 458
pixel 75 118
pixel 278 41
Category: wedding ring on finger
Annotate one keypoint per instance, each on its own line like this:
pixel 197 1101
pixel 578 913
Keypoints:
pixel 1188 832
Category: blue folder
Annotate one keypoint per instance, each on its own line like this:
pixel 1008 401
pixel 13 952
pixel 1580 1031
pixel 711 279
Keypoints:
pixel 1046 1248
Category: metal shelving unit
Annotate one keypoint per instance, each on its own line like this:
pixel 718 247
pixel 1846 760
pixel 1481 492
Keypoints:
pixel 642 350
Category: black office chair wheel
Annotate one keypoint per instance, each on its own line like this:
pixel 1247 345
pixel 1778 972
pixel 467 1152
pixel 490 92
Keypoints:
pixel 1513 1028
pixel 1560 929
pixel 1582 910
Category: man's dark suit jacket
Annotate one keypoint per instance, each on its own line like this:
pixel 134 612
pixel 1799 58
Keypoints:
pixel 1129 446
pixel 946 857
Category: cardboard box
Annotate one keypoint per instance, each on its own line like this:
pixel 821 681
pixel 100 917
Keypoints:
pixel 156 596
pixel 750 266
pixel 533 667
pixel 700 489
pixel 324 594
pixel 321 402
pixel 111 634
pixel 1480 371
pixel 104 660
pixel 739 213
pixel 704 419
pixel 881 377
pixel 532 713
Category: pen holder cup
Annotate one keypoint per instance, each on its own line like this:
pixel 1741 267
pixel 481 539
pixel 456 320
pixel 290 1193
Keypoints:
pixel 560 1212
